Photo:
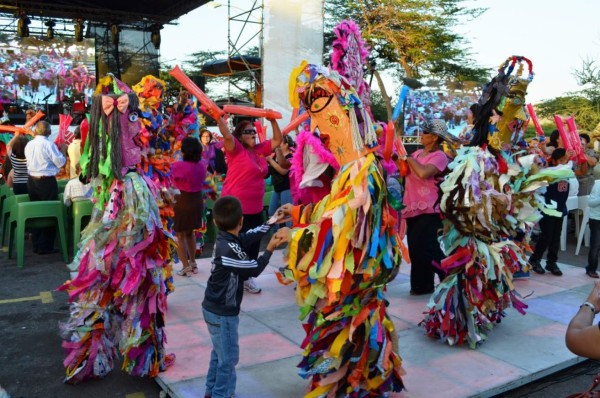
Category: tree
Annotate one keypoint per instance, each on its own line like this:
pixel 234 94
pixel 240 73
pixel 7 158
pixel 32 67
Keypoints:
pixel 414 38
pixel 414 34
pixel 584 105
pixel 378 106
pixel 585 112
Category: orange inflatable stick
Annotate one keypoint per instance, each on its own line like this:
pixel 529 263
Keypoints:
pixel 26 128
pixel 213 109
pixel 250 111
pixel 295 112
pixel 297 121
pixel 389 141
pixel 11 129
pixel 33 120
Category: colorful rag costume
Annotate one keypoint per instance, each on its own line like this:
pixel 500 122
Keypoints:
pixel 119 296
pixel 489 206
pixel 342 252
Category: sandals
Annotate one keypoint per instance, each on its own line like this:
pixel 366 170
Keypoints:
pixel 187 271
pixel 194 268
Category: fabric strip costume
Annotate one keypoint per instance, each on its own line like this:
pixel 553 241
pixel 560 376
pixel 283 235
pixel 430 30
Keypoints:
pixel 490 205
pixel 343 250
pixel 124 266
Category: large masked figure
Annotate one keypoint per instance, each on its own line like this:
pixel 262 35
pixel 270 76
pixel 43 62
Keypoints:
pixel 124 262
pixel 343 250
pixel 489 206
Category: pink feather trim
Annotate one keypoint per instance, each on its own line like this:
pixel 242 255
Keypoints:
pixel 325 156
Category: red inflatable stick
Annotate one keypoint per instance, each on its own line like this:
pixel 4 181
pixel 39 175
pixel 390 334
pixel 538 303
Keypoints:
pixel 249 111
pixel 570 138
pixel 536 123
pixel 261 131
pixel 297 121
pixel 576 140
pixel 213 109
pixel 560 126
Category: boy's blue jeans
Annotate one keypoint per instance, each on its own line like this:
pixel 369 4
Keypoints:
pixel 221 379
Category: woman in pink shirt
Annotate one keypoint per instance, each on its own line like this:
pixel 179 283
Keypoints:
pixel 422 212
pixel 188 176
pixel 246 172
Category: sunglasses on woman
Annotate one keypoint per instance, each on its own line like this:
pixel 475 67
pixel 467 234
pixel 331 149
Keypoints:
pixel 249 132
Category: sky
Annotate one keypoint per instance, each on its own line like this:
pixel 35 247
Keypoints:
pixel 556 35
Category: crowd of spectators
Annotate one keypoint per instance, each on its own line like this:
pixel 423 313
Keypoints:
pixel 423 105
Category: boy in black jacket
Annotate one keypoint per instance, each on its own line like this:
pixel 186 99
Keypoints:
pixel 231 266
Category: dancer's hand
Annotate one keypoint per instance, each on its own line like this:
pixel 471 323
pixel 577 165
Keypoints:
pixel 281 215
pixel 283 234
pixel 273 243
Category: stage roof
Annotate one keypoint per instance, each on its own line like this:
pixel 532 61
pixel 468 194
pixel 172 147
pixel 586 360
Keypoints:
pixel 124 12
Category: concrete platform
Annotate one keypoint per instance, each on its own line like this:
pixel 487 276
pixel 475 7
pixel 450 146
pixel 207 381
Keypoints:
pixel 519 350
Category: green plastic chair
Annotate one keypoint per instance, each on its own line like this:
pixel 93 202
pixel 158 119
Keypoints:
pixel 5 192
pixel 267 202
pixel 81 211
pixel 211 228
pixel 61 185
pixel 37 214
pixel 7 209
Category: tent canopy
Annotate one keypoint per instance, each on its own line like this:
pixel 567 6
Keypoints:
pixel 132 13
pixel 230 66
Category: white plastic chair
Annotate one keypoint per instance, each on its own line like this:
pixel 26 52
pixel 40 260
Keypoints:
pixel 572 204
pixel 584 232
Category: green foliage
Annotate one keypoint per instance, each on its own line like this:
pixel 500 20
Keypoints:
pixel 589 75
pixel 172 86
pixel 414 37
pixel 378 106
pixel 584 105
pixel 587 114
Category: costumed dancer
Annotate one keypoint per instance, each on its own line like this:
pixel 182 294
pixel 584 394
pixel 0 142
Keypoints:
pixel 119 296
pixel 157 143
pixel 490 206
pixel 343 250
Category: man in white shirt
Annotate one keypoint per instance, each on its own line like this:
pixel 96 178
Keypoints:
pixel 44 160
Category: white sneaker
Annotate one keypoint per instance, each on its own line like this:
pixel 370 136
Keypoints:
pixel 251 287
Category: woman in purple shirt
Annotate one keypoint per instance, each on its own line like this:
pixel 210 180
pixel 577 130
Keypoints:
pixel 188 176
pixel 246 172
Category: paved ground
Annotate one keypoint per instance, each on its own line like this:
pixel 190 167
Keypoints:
pixel 31 355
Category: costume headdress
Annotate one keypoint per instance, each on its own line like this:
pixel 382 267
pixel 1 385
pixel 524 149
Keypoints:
pixel 111 148
pixel 501 113
pixel 335 110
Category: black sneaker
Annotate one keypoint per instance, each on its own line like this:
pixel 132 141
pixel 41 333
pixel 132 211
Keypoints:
pixel 536 266
pixel 553 269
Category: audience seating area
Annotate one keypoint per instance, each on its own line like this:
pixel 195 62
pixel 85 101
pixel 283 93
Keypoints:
pixel 18 215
